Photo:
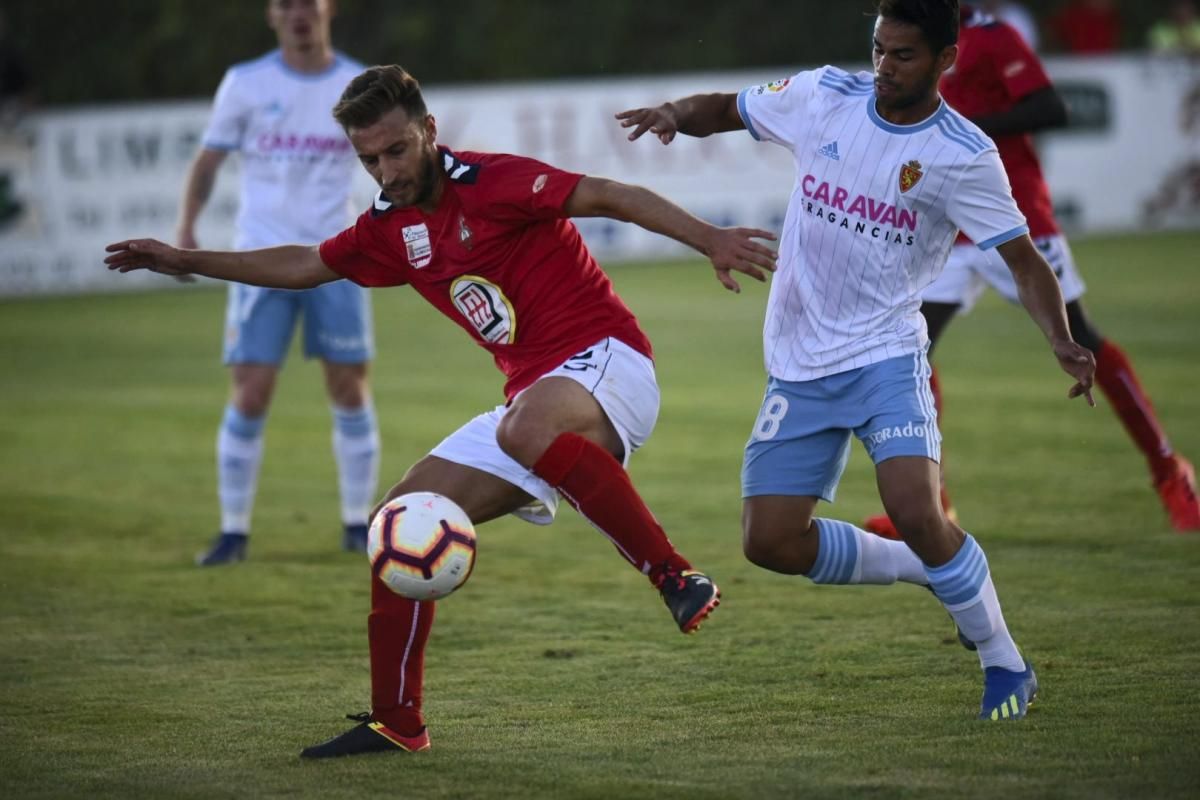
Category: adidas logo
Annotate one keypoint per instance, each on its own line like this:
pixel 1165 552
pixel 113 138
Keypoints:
pixel 830 151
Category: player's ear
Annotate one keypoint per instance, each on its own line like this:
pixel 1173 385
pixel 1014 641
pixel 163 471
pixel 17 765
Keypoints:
pixel 431 128
pixel 947 57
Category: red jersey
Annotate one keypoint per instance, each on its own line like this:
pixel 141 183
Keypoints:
pixel 497 256
pixel 996 69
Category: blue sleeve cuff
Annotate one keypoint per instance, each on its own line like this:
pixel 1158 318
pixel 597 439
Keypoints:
pixel 225 146
pixel 1007 236
pixel 741 107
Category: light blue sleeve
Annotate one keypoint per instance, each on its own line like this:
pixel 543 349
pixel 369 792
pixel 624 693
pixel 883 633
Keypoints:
pixel 773 112
pixel 982 204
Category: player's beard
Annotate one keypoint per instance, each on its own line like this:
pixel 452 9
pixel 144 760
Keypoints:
pixel 428 181
pixel 919 94
pixel 423 188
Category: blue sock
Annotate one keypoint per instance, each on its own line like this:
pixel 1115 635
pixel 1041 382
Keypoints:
pixel 356 450
pixel 846 554
pixel 837 552
pixel 964 585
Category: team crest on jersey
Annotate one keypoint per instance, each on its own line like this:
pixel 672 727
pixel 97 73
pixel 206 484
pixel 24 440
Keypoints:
pixel 464 233
pixel 486 307
pixel 910 173
pixel 417 245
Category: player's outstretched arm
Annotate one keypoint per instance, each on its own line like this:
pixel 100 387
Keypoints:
pixel 728 249
pixel 287 267
pixel 698 115
pixel 1040 294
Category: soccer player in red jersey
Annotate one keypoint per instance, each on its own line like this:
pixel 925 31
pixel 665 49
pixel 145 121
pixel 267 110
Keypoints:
pixel 486 239
pixel 1001 86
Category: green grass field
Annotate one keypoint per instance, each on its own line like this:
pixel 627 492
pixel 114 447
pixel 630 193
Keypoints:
pixel 556 672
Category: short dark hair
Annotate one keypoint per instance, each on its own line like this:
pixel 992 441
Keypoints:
pixel 375 92
pixel 937 19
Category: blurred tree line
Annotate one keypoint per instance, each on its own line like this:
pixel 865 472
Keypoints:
pixel 94 51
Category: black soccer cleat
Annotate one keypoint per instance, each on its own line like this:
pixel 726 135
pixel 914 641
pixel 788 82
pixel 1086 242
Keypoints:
pixel 368 736
pixel 689 594
pixel 227 548
pixel 354 539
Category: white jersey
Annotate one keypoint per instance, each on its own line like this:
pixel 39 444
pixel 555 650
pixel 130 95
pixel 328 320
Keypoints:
pixel 873 214
pixel 297 166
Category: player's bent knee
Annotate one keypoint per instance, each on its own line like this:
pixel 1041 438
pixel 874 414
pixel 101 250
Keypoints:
pixel 773 550
pixel 523 437
pixel 757 552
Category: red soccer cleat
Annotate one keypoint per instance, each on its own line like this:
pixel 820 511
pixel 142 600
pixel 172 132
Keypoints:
pixel 1178 493
pixel 881 525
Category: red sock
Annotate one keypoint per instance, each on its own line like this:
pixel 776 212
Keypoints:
pixel 1120 385
pixel 397 630
pixel 598 487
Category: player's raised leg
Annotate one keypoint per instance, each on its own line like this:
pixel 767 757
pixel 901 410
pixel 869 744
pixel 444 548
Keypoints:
pixel 398 628
pixel 572 429
pixel 794 457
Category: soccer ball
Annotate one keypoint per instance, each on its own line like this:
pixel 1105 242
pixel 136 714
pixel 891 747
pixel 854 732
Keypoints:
pixel 421 545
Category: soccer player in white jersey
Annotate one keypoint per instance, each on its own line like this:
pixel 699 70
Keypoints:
pixel 886 176
pixel 297 169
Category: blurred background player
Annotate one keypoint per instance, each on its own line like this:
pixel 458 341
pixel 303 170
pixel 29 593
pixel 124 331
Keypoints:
pixel 1017 15
pixel 999 84
pixel 1087 27
pixel 486 240
pixel 297 168
pixel 886 174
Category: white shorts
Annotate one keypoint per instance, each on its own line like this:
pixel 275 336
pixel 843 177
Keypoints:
pixel 620 378
pixel 969 271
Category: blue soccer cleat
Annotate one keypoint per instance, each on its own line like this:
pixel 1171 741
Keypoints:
pixel 1007 694
pixel 227 548
pixel 354 540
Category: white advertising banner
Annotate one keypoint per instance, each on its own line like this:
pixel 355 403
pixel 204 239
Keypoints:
pixel 83 178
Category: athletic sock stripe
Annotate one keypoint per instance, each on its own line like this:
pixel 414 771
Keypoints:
pixel 624 553
pixel 837 553
pixel 412 635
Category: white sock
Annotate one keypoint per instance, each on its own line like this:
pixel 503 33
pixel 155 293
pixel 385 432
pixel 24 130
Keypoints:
pixel 886 561
pixel 239 456
pixel 356 450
